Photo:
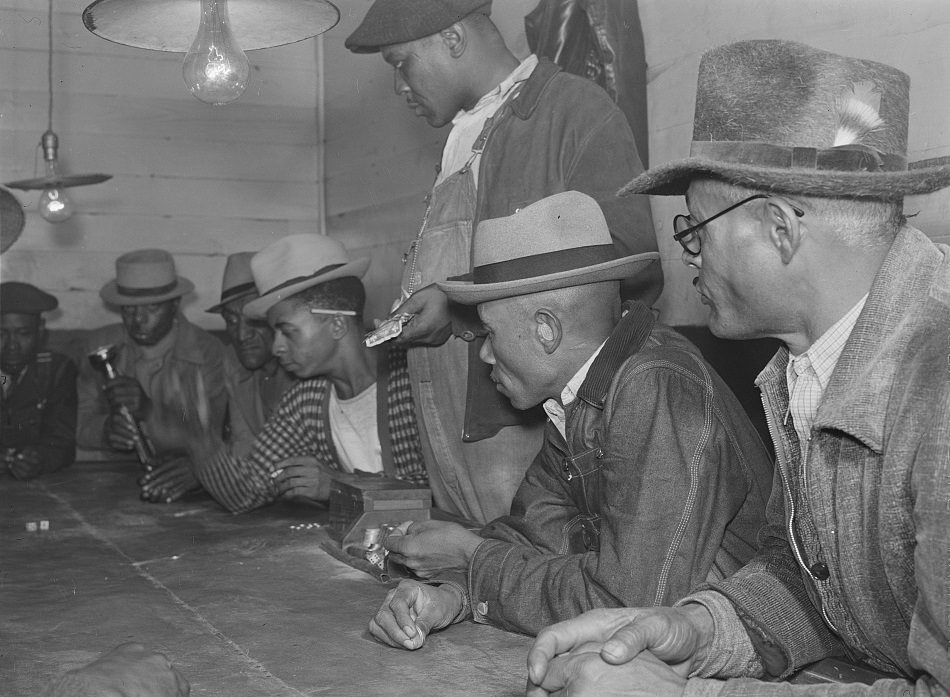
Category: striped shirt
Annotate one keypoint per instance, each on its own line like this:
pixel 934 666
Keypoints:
pixel 301 428
pixel 808 374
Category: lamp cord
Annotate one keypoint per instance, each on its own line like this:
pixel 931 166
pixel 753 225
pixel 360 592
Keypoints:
pixel 49 66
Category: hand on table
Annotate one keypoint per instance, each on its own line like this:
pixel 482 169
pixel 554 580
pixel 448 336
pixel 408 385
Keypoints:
pixel 412 610
pixel 583 673
pixel 23 463
pixel 171 478
pixel 431 546
pixel 431 324
pixel 679 637
pixel 129 670
pixel 123 390
pixel 303 478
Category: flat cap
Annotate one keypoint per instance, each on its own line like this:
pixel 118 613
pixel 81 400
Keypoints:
pixel 24 299
pixel 397 21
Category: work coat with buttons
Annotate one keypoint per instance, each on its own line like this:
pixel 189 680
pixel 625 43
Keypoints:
pixel 661 485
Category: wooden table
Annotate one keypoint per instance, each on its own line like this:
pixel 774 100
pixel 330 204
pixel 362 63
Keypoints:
pixel 243 605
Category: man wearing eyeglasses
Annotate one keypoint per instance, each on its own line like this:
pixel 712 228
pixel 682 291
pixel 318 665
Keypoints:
pixel 796 231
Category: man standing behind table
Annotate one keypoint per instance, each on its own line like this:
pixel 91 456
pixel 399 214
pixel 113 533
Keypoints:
pixel 168 368
pixel 795 192
pixel 252 376
pixel 520 132
pixel 329 420
pixel 651 480
pixel 38 405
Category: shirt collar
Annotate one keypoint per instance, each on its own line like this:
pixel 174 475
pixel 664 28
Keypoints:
pixel 500 92
pixel 823 355
pixel 555 409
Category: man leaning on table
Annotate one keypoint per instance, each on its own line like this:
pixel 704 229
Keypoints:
pixel 651 478
pixel 795 192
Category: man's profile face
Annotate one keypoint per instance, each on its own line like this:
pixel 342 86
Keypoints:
pixel 251 338
pixel 511 349
pixel 148 324
pixel 423 74
pixel 303 342
pixel 20 337
pixel 736 278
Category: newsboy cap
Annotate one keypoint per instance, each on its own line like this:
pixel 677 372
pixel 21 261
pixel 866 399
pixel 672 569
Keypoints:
pixel 25 299
pixel 397 21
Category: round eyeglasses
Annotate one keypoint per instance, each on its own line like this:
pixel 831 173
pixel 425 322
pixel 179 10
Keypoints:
pixel 686 232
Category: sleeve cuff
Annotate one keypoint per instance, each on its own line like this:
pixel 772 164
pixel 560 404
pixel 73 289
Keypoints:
pixel 731 653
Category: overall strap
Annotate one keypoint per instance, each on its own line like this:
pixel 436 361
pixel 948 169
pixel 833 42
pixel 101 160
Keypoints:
pixel 382 411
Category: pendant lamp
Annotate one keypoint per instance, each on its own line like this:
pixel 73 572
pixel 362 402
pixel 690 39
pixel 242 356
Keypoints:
pixel 213 34
pixel 55 206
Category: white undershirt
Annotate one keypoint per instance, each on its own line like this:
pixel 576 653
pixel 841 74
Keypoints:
pixel 353 427
pixel 468 125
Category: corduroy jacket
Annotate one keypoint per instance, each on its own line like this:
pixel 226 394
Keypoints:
pixel 859 535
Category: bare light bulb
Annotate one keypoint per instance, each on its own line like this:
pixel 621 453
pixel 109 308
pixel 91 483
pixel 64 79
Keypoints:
pixel 55 206
pixel 215 68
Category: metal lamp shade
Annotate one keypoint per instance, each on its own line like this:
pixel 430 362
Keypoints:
pixel 61 181
pixel 171 25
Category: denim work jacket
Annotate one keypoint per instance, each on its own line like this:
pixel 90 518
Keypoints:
pixel 859 535
pixel 661 485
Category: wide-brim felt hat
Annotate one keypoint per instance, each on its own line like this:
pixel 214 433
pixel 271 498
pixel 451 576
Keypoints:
pixel 558 242
pixel 143 277
pixel 785 117
pixel 238 281
pixel 295 263
pixel 390 22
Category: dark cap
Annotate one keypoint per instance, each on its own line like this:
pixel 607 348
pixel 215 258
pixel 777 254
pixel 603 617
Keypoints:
pixel 397 21
pixel 24 299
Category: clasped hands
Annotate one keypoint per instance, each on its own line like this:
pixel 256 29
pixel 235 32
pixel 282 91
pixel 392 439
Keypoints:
pixel 614 652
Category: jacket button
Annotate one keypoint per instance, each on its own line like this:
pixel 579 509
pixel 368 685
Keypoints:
pixel 468 335
pixel 482 608
pixel 820 571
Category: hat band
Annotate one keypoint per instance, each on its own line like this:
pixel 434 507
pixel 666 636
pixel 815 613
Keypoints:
pixel 144 292
pixel 236 292
pixel 298 279
pixel 543 264
pixel 843 158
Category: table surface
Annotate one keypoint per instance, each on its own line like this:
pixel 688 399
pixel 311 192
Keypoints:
pixel 245 606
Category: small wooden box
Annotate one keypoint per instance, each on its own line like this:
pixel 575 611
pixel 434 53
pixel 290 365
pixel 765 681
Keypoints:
pixel 358 502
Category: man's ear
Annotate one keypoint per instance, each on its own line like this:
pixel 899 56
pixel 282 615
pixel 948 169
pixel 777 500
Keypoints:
pixel 786 231
pixel 455 38
pixel 41 334
pixel 339 327
pixel 548 330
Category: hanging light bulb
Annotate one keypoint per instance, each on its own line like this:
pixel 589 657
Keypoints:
pixel 215 68
pixel 55 206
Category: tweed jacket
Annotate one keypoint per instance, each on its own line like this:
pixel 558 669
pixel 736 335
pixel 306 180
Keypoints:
pixel 40 411
pixel 301 427
pixel 661 485
pixel 858 538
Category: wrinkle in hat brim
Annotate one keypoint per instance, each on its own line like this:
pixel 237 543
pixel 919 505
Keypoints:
pixel 673 179
pixel 110 294
pixel 257 309
pixel 217 309
pixel 468 293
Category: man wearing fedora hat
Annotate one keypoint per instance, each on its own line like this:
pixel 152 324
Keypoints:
pixel 795 193
pixel 312 297
pixel 520 131
pixel 254 380
pixel 38 404
pixel 651 479
pixel 169 369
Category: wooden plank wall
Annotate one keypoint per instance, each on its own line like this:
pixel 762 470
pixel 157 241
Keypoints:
pixel 198 180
